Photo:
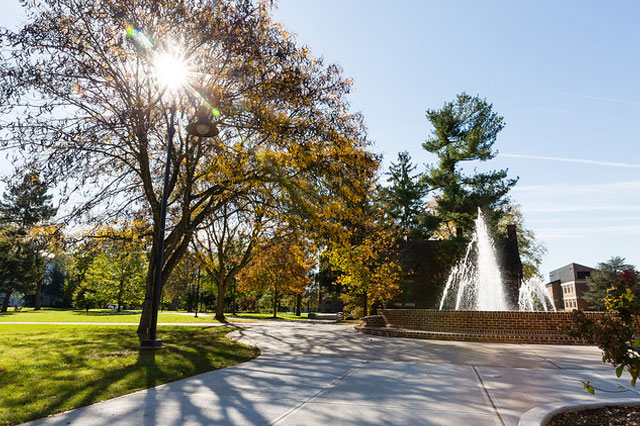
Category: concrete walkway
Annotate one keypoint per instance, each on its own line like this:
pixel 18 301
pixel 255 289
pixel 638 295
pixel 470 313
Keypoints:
pixel 319 374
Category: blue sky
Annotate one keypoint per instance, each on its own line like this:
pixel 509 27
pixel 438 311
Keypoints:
pixel 563 74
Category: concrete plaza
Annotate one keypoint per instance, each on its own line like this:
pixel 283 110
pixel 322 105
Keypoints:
pixel 322 374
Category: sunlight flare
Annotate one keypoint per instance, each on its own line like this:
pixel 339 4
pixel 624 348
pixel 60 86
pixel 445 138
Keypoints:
pixel 171 70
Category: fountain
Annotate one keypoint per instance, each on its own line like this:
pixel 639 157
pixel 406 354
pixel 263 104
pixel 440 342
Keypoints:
pixel 475 282
pixel 475 307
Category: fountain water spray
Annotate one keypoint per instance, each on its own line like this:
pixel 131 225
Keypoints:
pixel 475 282
pixel 533 296
pixel 476 279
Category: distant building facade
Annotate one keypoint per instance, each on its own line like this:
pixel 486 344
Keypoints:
pixel 567 285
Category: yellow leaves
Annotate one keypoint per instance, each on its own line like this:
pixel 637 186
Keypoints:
pixel 282 263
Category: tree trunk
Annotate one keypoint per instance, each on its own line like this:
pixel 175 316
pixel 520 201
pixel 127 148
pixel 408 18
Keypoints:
pixel 298 304
pixel 364 304
pixel 170 263
pixel 120 294
pixel 38 304
pixel 222 288
pixel 275 301
pixel 233 299
pixel 5 302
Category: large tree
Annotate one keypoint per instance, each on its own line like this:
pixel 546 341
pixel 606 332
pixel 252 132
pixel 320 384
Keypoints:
pixel 465 130
pixel 80 78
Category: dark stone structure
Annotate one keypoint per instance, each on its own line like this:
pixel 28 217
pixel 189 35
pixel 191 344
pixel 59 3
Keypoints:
pixel 427 265
pixel 510 265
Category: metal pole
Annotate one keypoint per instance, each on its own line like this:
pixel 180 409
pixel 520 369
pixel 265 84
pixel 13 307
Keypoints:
pixel 198 292
pixel 153 342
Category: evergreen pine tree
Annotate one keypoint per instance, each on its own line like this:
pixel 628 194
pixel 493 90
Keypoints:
pixel 403 198
pixel 26 205
pixel 465 130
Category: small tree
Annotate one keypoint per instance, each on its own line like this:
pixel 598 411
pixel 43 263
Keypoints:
pixel 602 280
pixel 110 266
pixel 225 244
pixel 20 264
pixel 116 277
pixel 281 267
pixel 367 268
pixel 614 332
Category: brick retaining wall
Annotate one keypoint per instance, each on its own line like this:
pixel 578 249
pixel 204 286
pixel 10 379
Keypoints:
pixel 479 326
pixel 434 320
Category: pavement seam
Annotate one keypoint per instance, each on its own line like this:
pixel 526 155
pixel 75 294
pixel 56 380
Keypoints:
pixel 540 356
pixel 317 394
pixel 486 391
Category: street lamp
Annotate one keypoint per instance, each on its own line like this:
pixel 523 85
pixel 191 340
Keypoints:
pixel 198 292
pixel 172 72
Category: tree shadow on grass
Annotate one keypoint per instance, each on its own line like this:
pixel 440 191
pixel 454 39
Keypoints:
pixel 187 353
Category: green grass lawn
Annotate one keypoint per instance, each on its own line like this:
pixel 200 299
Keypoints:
pixel 108 315
pixel 95 315
pixel 46 369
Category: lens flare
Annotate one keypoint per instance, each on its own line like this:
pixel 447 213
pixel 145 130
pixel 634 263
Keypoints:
pixel 171 70
pixel 140 38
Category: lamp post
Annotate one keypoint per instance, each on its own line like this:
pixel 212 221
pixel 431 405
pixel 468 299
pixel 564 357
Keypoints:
pixel 203 128
pixel 152 341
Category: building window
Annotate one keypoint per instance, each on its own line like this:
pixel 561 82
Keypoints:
pixel 583 275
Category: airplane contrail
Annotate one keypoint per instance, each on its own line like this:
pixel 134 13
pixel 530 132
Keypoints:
pixel 573 160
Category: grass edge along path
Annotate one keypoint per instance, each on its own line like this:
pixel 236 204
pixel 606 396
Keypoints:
pixel 97 316
pixel 47 369
pixel 133 317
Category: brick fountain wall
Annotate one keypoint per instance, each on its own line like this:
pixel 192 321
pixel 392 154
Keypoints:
pixel 475 326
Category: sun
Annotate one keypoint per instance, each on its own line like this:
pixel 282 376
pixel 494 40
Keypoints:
pixel 171 70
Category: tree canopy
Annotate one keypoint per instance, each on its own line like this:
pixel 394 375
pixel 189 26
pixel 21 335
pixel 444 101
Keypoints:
pixel 80 78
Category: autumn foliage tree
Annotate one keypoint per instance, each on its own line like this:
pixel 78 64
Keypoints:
pixel 367 264
pixel 281 265
pixel 81 77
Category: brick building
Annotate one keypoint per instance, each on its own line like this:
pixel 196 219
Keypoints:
pixel 567 285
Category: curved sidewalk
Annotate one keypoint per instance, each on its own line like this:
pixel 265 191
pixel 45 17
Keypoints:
pixel 312 374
